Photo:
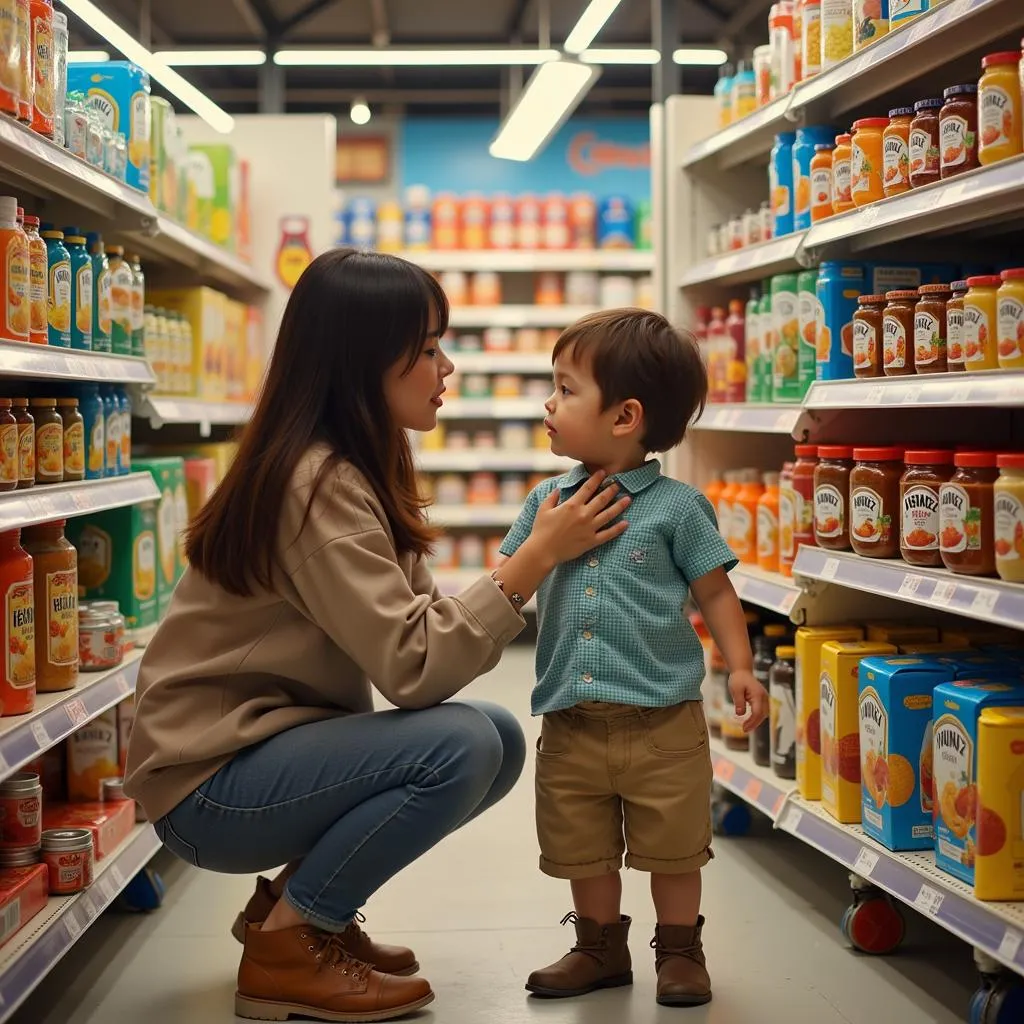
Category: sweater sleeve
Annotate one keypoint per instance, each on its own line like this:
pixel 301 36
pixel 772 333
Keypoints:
pixel 417 649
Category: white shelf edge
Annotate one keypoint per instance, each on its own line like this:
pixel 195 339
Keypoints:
pixel 166 409
pixel 490 460
pixel 769 590
pixel 46 502
pixel 473 515
pixel 985 388
pixel 752 263
pixel 517 315
pixel 752 418
pixel 21 359
pixel 524 260
pixel 501 362
pixel 492 408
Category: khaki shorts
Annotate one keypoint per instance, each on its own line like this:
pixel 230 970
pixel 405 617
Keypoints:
pixel 613 778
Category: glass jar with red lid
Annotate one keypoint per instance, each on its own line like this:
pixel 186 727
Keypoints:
pixel 831 495
pixel 927 469
pixel 803 491
pixel 958 130
pixel 875 501
pixel 966 515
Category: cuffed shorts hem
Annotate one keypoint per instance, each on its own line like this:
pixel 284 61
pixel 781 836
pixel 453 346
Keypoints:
pixel 589 869
pixel 676 866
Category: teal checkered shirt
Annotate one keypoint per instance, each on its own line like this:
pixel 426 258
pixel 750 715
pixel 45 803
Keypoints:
pixel 611 626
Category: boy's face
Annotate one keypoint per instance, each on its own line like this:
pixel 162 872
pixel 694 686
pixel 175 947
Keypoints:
pixel 576 423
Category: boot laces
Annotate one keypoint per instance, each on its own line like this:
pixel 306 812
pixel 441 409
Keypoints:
pixel 594 949
pixel 330 951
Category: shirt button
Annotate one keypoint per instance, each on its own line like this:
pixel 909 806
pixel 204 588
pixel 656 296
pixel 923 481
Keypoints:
pixel 587 635
pixel 587 677
pixel 590 591
pixel 592 563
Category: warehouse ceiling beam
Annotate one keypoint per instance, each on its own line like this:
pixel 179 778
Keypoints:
pixel 251 17
pixel 304 14
pixel 380 32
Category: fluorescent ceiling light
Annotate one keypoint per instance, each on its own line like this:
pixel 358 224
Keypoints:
pixel 592 20
pixel 620 55
pixel 359 111
pixel 212 58
pixel 700 57
pixel 88 56
pixel 551 95
pixel 396 57
pixel 120 40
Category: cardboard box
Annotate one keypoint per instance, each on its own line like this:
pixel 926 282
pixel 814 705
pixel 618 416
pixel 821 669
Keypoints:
pixel 24 892
pixel 235 349
pixel 117 561
pixel 978 634
pixel 214 170
pixel 895 702
pixel 809 642
pixel 200 483
pixel 163 168
pixel 999 867
pixel 204 309
pixel 110 823
pixel 840 728
pixel 171 520
pixel 92 757
pixel 956 710
pixel 902 633
pixel 255 352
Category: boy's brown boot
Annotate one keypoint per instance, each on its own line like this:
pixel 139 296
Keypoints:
pixel 600 959
pixel 386 959
pixel 679 958
pixel 306 972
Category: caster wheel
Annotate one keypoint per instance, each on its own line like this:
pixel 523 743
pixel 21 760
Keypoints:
pixel 873 925
pixel 145 892
pixel 729 819
pixel 999 1000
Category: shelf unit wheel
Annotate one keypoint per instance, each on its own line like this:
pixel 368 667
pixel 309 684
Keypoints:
pixel 729 816
pixel 144 893
pixel 999 998
pixel 872 923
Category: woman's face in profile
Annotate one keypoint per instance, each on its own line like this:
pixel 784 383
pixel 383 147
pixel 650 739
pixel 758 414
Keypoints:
pixel 413 396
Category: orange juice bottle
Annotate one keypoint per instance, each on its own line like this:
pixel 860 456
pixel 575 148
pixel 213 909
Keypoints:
pixel 38 283
pixel 713 490
pixel 743 523
pixel 14 273
pixel 725 501
pixel 768 524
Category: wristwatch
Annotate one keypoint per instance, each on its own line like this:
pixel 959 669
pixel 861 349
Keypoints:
pixel 517 600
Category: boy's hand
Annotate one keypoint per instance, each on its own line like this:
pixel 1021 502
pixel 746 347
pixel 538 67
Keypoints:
pixel 747 692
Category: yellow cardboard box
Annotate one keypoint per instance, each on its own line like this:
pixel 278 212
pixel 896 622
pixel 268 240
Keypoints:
pixel 999 867
pixel 205 310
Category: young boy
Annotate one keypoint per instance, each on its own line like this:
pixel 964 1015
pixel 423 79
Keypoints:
pixel 623 760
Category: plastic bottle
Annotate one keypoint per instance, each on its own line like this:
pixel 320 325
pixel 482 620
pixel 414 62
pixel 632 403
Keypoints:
pixel 752 338
pixel 121 313
pixel 43 70
pixel 58 289
pixel 90 404
pixel 780 176
pixel 112 430
pixel 26 85
pixel 37 289
pixel 736 368
pixel 17 627
pixel 807 141
pixel 717 345
pixel 743 91
pixel 743 523
pixel 138 306
pixel 725 500
pixel 764 656
pixel 723 95
pixel 783 43
pixel 81 290
pixel 768 524
pixel 14 271
pixel 124 464
pixel 101 301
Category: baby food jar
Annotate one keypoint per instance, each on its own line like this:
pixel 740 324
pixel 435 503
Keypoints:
pixel 999 108
pixel 896 152
pixel 866 160
pixel 803 492
pixel 930 328
pixel 1010 316
pixel 955 327
pixel 981 322
pixel 924 143
pixel 927 470
pixel 782 719
pixel 21 797
pixel 821 182
pixel 898 332
pixel 8 447
pixel 842 175
pixel 1008 493
pixel 958 130
pixel 875 502
pixel 966 527
pixel 867 336
pixel 831 493
pixel 68 854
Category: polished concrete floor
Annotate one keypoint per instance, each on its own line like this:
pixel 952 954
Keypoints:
pixel 481 916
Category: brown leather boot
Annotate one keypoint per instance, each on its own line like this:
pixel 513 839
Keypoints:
pixel 306 972
pixel 600 959
pixel 386 959
pixel 679 958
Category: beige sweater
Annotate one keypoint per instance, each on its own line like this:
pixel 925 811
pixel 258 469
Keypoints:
pixel 224 672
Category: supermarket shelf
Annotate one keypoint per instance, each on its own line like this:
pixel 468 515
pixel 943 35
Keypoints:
pixel 61 501
pixel 473 515
pixel 987 600
pixel 738 773
pixel 163 411
pixel 768 590
pixel 57 715
pixel 517 316
pixel 987 388
pixel 44 362
pixel 502 362
pixel 994 928
pixel 452 460
pixel 751 418
pixel 749 137
pixel 609 260
pixel 33 952
pixel 454 581
pixel 750 264
pixel 492 408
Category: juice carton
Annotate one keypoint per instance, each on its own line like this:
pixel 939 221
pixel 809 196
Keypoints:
pixel 92 757
pixel 235 345
pixel 24 892
pixel 117 562
pixel 214 169
pixel 840 730
pixel 895 697
pixel 999 867
pixel 169 474
pixel 204 309
pixel 902 633
pixel 255 352
pixel 119 90
pixel 163 174
pixel 957 706
pixel 200 483
pixel 809 641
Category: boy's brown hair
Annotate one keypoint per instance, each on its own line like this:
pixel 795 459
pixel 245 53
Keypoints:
pixel 635 353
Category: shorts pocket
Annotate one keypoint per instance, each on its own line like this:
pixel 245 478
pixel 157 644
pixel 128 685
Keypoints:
pixel 676 731
pixel 557 729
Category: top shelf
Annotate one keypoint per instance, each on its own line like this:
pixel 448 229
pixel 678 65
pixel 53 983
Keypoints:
pixel 524 260
pixel 949 31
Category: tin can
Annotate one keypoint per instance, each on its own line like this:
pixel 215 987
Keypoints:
pixel 582 288
pixel 528 221
pixel 21 801
pixel 68 854
pixel 555 223
pixel 112 789
pixel 582 221
pixel 503 222
pixel 98 648
pixel 417 229
pixel 475 222
pixel 390 224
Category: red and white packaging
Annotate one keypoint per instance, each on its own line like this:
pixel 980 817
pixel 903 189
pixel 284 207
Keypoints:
pixel 110 823
pixel 555 222
pixel 23 893
pixel 503 222
pixel 528 222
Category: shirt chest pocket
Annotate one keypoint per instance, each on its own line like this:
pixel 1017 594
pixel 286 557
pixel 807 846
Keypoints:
pixel 645 555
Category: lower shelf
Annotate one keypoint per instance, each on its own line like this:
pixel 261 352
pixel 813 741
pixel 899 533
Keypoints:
pixel 994 928
pixel 33 952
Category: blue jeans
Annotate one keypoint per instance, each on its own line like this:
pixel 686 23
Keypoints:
pixel 355 798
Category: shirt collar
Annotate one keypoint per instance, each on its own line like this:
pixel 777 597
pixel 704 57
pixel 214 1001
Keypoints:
pixel 633 481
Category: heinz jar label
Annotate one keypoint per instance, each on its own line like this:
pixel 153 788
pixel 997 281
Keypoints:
pixel 995 116
pixel 83 299
pixel 869 523
pixel 955 141
pixel 928 343
pixel 920 518
pixel 829 511
pixel 50 450
pixel 865 344
pixel 19 607
pixel 42 34
pixel 1011 328
pixel 842 181
pixel 9 453
pixel 894 342
pixel 58 307
pixel 27 453
pixel 18 303
pixel 895 162
pixel 976 334
pixel 62 617
pixel 955 334
pixel 924 157
pixel 860 170
pixel 959 523
pixel 1009 527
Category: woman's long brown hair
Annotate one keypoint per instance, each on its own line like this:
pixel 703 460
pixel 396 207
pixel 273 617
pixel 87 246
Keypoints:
pixel 351 316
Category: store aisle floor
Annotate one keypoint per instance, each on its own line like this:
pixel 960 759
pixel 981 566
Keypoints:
pixel 481 916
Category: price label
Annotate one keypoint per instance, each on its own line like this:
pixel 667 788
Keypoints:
pixel 118 876
pixel 75 710
pixel 912 395
pixel 792 819
pixel 865 862
pixel 960 395
pixel 786 604
pixel 752 790
pixel 780 800
pixel 909 586
pixel 929 900
pixel 74 929
pixel 873 395
pixel 830 568
pixel 121 683
pixel 42 738
pixel 984 602
pixel 724 770
pixel 1010 945
pixel 90 909
pixel 943 593
pixel 785 421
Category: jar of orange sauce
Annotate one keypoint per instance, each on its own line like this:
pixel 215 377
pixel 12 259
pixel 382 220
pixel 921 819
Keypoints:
pixel 743 526
pixel 999 108
pixel 981 322
pixel 1010 314
pixel 821 182
pixel 842 178
pixel 768 524
pixel 866 160
pixel 896 152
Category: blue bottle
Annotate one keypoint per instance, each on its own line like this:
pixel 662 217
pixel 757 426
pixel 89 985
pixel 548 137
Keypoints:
pixel 780 178
pixel 81 290
pixel 59 307
pixel 803 153
pixel 90 404
pixel 102 308
pixel 112 429
pixel 125 407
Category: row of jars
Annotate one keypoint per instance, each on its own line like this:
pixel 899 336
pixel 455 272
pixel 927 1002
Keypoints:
pixel 975 324
pixel 67 439
pixel 482 488
pixel 510 436
pixel 169 347
pixel 746 502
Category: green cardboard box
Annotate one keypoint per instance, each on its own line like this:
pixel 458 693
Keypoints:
pixel 169 474
pixel 213 170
